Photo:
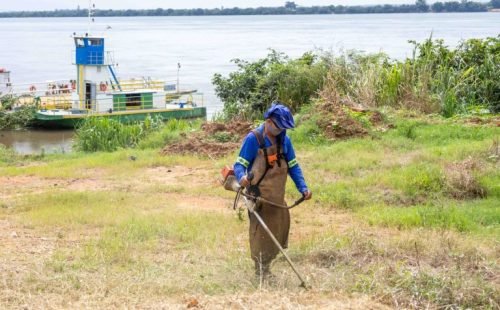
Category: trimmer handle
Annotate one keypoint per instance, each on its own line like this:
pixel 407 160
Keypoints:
pixel 250 176
pixel 298 202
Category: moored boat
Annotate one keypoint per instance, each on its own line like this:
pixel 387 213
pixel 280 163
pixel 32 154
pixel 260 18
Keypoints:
pixel 98 92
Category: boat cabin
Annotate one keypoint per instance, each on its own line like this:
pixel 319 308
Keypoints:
pixel 100 90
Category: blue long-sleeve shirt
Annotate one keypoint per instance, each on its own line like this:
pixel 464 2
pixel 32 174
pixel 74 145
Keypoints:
pixel 249 151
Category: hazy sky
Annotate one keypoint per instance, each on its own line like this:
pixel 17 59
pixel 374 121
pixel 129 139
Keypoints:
pixel 32 5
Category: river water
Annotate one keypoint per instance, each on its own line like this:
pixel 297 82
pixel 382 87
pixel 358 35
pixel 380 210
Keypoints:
pixel 38 50
pixel 38 141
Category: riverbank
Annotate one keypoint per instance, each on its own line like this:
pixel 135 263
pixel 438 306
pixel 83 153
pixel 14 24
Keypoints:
pixel 406 216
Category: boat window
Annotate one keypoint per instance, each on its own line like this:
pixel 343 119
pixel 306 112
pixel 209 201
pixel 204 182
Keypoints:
pixel 79 42
pixel 133 101
pixel 95 42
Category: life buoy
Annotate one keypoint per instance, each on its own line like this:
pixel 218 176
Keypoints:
pixel 32 88
pixel 103 87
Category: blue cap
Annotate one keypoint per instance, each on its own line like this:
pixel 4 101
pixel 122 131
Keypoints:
pixel 281 115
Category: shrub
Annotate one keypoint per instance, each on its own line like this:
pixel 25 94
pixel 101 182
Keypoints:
pixel 248 92
pixel 19 118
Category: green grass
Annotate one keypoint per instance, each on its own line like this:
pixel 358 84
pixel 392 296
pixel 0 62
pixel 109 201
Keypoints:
pixel 481 216
pixel 400 179
pixel 102 134
pixel 7 156
pixel 76 165
pixel 168 134
pixel 76 209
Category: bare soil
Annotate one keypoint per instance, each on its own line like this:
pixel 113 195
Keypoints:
pixel 215 140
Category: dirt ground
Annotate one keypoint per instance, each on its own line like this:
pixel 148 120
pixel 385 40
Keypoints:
pixel 215 140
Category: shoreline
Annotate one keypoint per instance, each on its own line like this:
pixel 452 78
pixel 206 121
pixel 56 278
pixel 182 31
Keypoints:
pixel 246 15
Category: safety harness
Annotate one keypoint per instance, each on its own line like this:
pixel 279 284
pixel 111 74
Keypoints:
pixel 254 189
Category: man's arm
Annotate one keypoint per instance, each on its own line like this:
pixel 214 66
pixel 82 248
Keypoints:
pixel 294 169
pixel 247 155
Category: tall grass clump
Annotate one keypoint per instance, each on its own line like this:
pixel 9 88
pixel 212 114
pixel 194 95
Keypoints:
pixel 7 155
pixel 436 79
pixel 104 134
pixel 169 133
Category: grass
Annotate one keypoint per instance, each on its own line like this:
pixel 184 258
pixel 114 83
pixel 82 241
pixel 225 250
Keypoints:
pixel 481 216
pixel 108 135
pixel 137 228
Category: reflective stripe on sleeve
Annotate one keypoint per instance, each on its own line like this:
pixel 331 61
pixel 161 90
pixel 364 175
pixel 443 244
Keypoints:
pixel 243 161
pixel 292 163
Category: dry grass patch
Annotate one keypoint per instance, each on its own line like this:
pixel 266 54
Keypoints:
pixel 461 181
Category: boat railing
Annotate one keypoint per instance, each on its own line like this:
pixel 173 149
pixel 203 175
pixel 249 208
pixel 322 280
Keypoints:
pixel 93 106
pixel 48 88
pixel 64 87
pixel 142 83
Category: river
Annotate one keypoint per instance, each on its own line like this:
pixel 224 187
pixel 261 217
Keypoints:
pixel 38 50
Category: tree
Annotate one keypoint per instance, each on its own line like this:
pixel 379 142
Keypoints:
pixel 422 6
pixel 452 6
pixel 495 4
pixel 438 7
pixel 290 5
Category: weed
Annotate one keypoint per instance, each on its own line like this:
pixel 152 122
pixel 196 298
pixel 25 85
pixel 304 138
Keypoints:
pixel 461 182
pixel 471 216
pixel 7 155
pixel 223 137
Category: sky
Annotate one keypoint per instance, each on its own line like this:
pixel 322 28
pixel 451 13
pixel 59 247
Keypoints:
pixel 37 5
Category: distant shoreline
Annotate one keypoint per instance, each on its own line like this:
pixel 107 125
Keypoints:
pixel 290 8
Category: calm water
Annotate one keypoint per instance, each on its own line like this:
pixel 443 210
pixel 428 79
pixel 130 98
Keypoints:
pixel 37 141
pixel 37 50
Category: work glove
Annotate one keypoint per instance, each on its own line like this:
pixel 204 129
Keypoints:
pixel 244 182
pixel 307 195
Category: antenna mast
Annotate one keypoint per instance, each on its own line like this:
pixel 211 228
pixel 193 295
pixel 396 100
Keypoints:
pixel 91 14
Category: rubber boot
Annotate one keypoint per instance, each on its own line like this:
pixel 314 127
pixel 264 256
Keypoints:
pixel 263 269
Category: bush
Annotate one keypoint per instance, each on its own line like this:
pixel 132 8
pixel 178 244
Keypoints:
pixel 20 118
pixel 248 92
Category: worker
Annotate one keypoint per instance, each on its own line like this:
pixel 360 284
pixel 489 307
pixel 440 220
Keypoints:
pixel 268 154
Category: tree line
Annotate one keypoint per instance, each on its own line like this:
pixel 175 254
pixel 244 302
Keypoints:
pixel 290 8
